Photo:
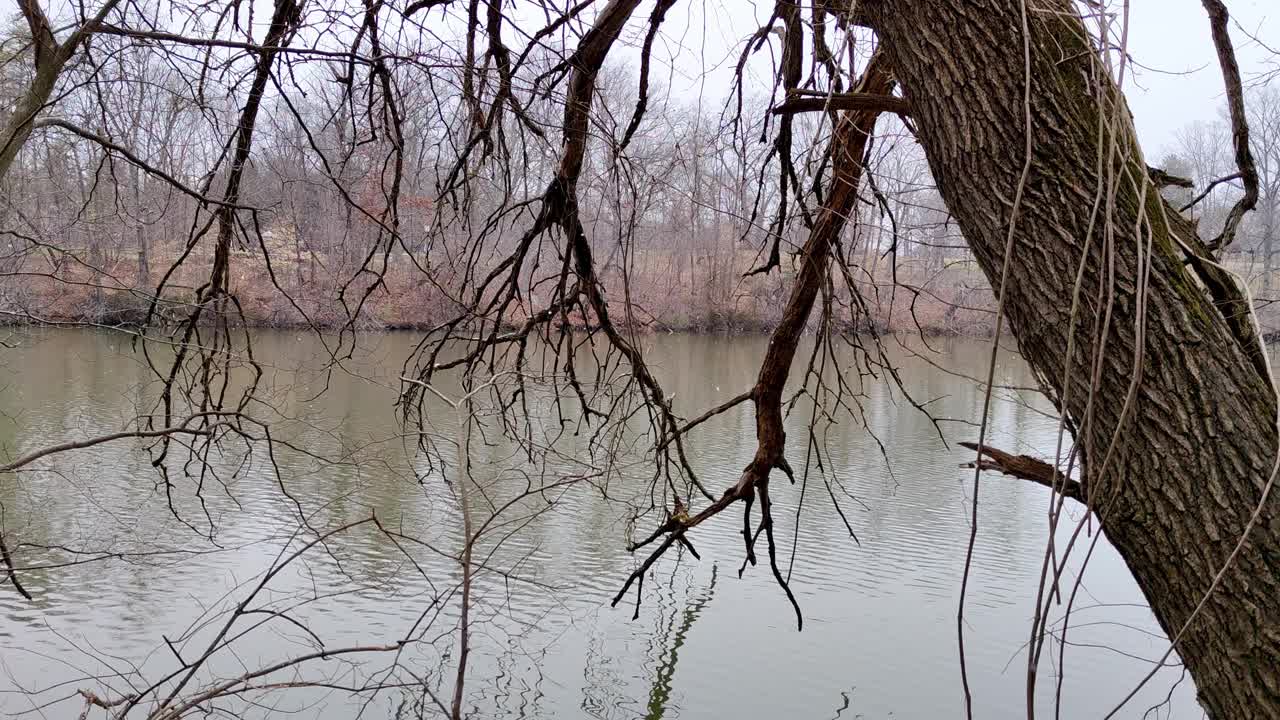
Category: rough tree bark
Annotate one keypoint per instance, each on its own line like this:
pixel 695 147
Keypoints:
pixel 1194 449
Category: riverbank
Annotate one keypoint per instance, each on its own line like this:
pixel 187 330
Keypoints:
pixel 918 299
pixel 134 308
pixel 922 296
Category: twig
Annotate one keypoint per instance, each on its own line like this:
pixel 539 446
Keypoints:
pixel 1209 188
pixel 9 569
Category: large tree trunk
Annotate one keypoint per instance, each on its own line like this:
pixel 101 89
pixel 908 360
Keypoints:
pixel 18 128
pixel 50 58
pixel 1193 453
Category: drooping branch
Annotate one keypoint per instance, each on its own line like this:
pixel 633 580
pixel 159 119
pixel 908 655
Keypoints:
pixel 9 570
pixel 846 150
pixel 646 52
pixel 285 20
pixel 561 208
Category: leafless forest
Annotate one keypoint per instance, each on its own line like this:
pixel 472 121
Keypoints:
pixel 524 185
pixel 95 237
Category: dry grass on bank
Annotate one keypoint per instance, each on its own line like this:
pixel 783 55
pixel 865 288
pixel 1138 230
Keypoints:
pixel 668 292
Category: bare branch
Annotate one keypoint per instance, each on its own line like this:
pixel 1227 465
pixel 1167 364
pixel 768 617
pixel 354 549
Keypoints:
pixel 844 101
pixel 1209 188
pixel 1239 123
pixel 179 429
pixel 1024 467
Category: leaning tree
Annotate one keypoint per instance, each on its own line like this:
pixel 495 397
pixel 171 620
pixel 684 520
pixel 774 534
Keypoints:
pixel 1142 341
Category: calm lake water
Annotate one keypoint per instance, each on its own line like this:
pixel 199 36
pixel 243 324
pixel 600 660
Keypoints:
pixel 879 638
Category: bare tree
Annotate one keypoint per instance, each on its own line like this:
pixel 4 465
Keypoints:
pixel 1264 132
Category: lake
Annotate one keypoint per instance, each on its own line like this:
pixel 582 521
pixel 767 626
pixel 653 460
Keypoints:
pixel 879 637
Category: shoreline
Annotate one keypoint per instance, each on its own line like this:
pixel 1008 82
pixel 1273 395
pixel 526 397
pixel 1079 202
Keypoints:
pixel 19 318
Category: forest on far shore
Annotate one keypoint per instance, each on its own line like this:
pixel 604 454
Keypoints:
pixel 91 236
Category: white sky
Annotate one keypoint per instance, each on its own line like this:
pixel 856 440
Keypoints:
pixel 1172 36
pixel 1180 83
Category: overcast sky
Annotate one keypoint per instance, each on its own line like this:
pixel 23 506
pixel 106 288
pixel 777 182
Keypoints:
pixel 1180 82
pixel 1172 36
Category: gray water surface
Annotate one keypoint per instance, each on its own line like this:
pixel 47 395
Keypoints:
pixel 879 637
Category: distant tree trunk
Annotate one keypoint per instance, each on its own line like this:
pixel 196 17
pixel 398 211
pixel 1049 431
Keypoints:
pixel 1268 246
pixel 140 230
pixel 1193 453
pixel 298 264
pixel 89 200
pixel 140 216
